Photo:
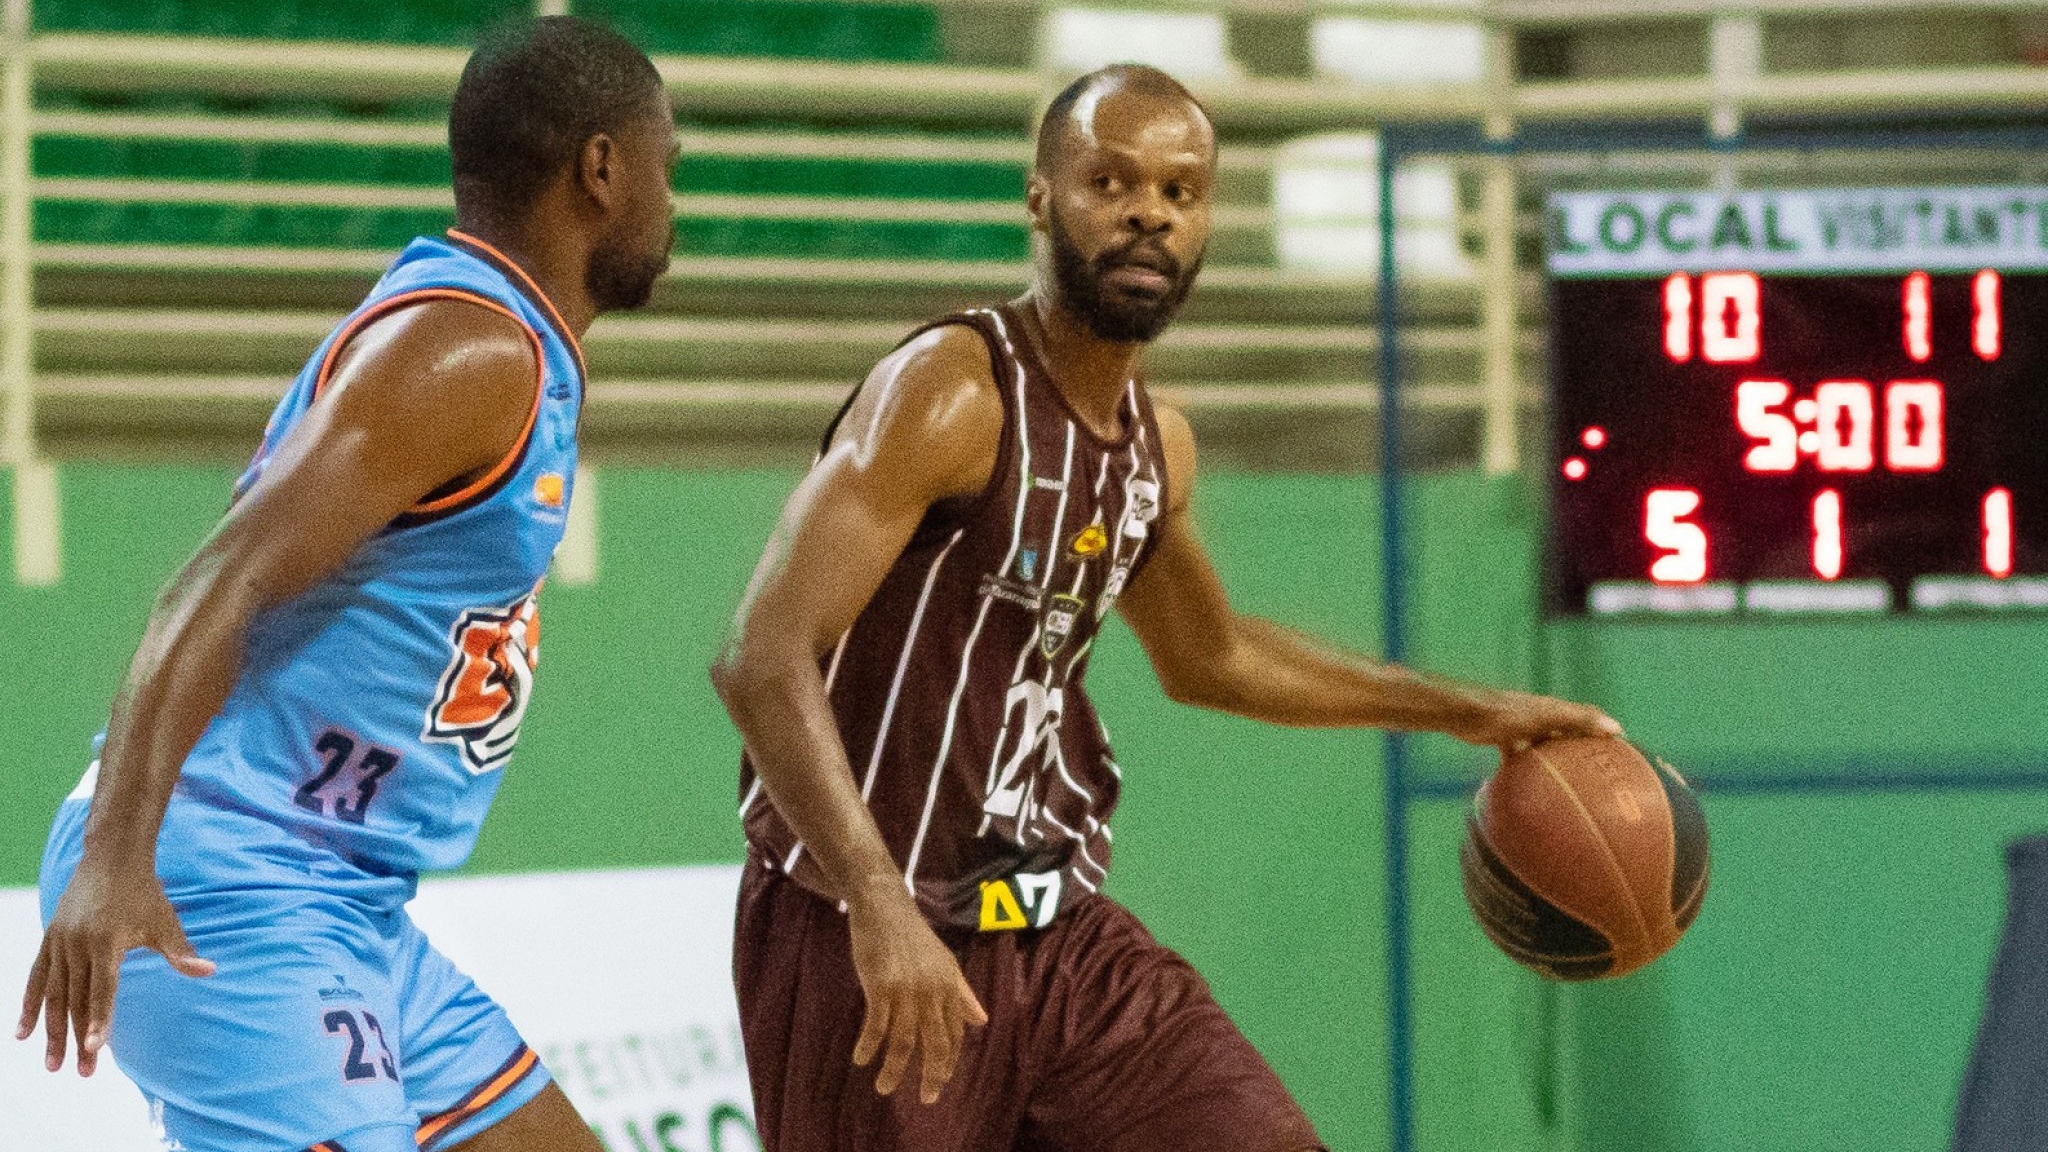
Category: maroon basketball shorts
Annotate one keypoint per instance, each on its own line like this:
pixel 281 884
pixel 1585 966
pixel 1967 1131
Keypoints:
pixel 1099 1039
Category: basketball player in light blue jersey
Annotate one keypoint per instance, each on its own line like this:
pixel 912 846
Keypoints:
pixel 326 694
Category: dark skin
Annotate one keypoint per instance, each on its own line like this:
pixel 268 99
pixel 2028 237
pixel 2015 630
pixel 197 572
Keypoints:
pixel 1135 163
pixel 431 393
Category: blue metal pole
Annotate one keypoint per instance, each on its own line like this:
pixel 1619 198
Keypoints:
pixel 1393 562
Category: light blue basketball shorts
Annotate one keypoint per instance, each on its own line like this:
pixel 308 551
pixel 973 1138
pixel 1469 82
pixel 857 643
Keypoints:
pixel 330 1023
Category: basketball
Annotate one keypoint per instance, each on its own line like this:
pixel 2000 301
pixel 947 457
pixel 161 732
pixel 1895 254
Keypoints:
pixel 1584 859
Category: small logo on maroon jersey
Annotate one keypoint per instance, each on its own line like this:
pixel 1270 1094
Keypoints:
pixel 1057 628
pixel 1141 506
pixel 1091 541
pixel 1112 588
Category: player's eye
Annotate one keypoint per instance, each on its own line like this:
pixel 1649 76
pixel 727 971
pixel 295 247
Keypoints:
pixel 1107 184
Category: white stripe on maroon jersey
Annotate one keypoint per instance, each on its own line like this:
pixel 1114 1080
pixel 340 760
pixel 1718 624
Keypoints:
pixel 867 784
pixel 931 795
pixel 1059 516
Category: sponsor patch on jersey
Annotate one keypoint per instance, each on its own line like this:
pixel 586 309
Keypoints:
pixel 1058 626
pixel 1112 588
pixel 548 490
pixel 1027 564
pixel 1026 596
pixel 1141 506
pixel 340 990
pixel 488 683
pixel 1090 542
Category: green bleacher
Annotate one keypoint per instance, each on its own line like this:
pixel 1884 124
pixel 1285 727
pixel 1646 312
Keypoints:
pixel 850 240
pixel 232 225
pixel 790 29
pixel 405 22
pixel 131 183
pixel 887 179
pixel 69 155
pixel 265 161
pixel 197 222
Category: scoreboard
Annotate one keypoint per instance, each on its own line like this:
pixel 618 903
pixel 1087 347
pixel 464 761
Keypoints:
pixel 1808 401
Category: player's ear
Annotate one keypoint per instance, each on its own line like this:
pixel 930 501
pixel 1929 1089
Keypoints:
pixel 1037 191
pixel 598 169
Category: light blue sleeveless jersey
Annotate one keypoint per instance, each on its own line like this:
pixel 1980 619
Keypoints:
pixel 375 712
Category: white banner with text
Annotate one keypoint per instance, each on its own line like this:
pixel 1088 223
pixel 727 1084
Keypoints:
pixel 621 980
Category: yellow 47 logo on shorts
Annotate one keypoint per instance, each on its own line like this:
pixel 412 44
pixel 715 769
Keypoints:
pixel 1004 903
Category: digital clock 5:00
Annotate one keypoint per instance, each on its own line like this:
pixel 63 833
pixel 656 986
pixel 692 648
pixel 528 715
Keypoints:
pixel 1856 422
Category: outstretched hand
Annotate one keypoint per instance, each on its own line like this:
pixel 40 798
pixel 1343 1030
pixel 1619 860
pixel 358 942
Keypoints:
pixel 917 999
pixel 1516 720
pixel 100 917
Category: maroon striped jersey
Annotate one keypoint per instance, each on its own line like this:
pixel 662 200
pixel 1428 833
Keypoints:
pixel 958 689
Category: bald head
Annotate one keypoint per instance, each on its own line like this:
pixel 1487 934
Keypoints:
pixel 1124 93
pixel 1120 198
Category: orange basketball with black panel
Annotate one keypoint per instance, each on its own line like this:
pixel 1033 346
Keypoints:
pixel 1584 859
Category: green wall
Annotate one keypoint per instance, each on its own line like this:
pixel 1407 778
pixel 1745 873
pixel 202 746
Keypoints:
pixel 1825 1000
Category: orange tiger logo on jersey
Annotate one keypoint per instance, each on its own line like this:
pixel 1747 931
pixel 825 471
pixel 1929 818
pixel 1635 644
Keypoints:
pixel 484 692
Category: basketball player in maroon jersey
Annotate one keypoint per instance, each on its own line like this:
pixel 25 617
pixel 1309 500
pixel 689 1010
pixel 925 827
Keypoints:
pixel 927 791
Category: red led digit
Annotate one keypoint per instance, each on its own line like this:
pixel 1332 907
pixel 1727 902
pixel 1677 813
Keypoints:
pixel 1919 318
pixel 1685 543
pixel 1987 334
pixel 1827 535
pixel 1731 317
pixel 1998 532
pixel 1912 426
pixel 1678 317
pixel 1846 420
pixel 1754 404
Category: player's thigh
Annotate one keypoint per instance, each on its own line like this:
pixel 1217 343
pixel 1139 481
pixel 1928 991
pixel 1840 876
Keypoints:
pixel 801 1010
pixel 1151 1062
pixel 467 1070
pixel 290 1044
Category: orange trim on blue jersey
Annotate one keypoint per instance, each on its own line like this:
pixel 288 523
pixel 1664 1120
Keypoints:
pixel 506 1078
pixel 568 335
pixel 385 308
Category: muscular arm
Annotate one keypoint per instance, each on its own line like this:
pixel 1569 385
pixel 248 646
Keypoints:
pixel 1209 655
pixel 924 428
pixel 429 394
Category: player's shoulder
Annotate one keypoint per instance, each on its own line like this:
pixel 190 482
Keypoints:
pixel 948 361
pixel 1175 433
pixel 441 349
pixel 938 387
pixel 1176 447
pixel 470 324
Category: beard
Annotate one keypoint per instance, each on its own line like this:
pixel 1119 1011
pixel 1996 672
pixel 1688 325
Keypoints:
pixel 1117 317
pixel 621 276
